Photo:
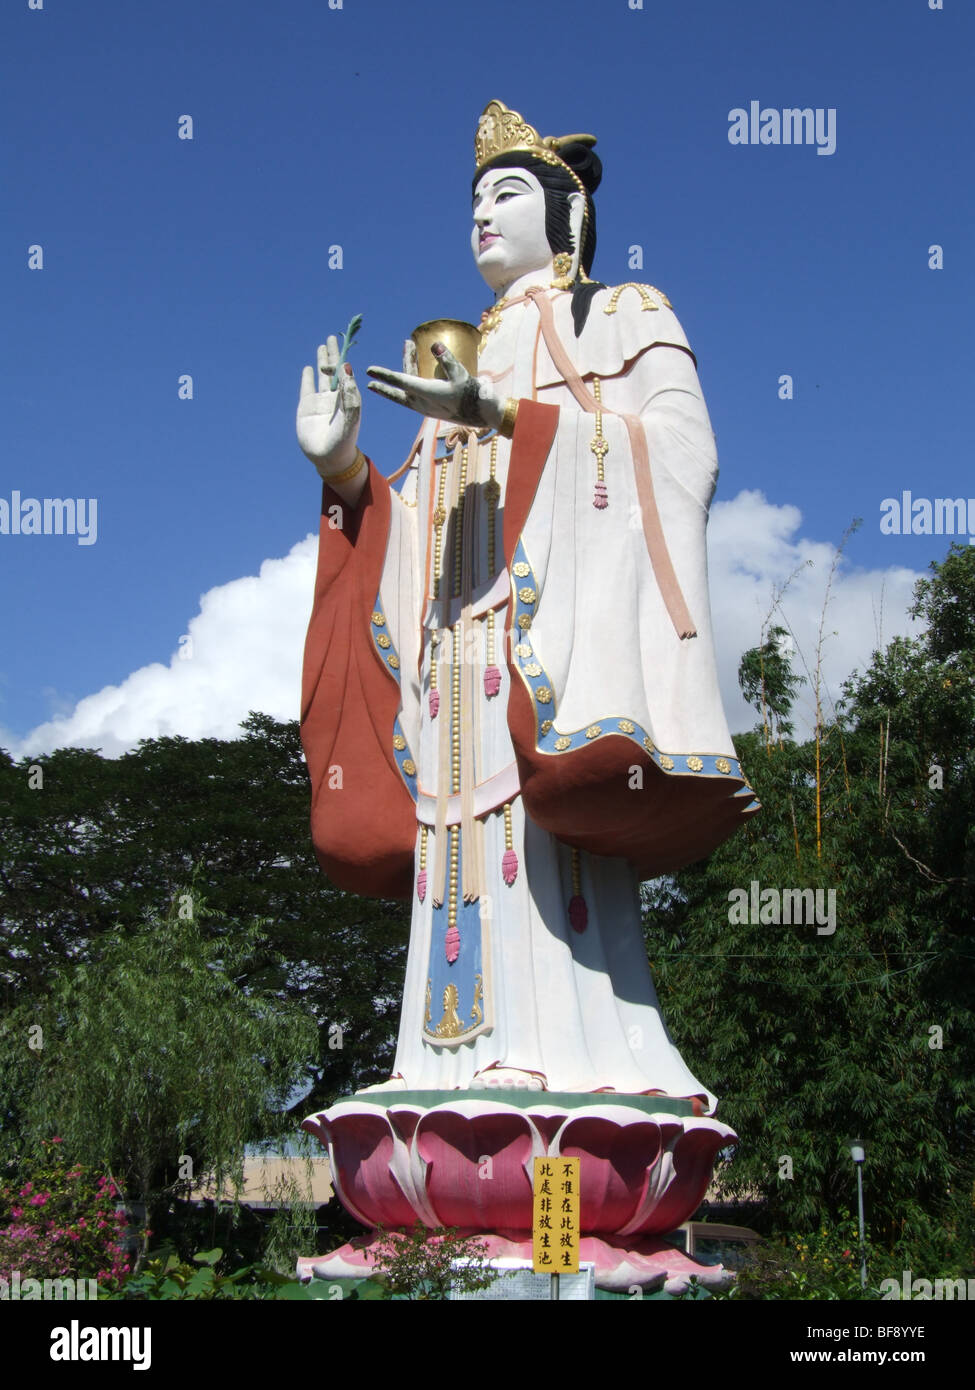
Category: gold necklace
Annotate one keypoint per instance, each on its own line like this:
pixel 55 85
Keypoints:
pixel 491 318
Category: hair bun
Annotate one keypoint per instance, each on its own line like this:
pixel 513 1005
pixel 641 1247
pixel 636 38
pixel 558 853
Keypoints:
pixel 584 162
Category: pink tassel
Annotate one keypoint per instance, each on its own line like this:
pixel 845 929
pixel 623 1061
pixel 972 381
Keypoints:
pixel 434 703
pixel 492 681
pixel 600 500
pixel 452 944
pixel 509 866
pixel 578 913
pixel 421 884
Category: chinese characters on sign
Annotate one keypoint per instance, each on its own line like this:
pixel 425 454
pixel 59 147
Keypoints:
pixel 555 1216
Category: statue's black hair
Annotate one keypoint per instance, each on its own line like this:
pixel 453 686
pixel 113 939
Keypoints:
pixel 557 185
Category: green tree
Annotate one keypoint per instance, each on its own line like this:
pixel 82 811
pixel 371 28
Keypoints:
pixel 815 1038
pixel 153 1054
pixel 90 846
pixel 769 683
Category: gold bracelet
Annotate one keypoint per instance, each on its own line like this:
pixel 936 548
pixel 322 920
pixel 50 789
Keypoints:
pixel 349 472
pixel 507 425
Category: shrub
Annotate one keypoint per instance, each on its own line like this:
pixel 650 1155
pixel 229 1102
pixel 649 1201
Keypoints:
pixel 419 1264
pixel 58 1221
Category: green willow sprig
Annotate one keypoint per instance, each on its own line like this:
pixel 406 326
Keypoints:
pixel 348 337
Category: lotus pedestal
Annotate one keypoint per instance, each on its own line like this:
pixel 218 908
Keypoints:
pixel 465 1159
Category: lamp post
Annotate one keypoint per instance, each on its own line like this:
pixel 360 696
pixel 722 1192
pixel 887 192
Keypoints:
pixel 858 1155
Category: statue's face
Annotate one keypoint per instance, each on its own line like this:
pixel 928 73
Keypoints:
pixel 509 239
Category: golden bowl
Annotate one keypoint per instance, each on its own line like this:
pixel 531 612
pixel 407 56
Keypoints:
pixel 462 339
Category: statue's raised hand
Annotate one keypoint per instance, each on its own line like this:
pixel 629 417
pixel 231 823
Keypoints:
pixel 328 419
pixel 462 398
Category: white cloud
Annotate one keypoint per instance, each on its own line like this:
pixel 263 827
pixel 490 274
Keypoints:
pixel 754 547
pixel 246 650
pixel 249 634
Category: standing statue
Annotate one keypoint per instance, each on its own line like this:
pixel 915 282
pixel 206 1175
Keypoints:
pixel 511 710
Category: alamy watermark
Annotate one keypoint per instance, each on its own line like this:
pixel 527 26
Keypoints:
pixel 16 1289
pixel 926 1290
pixel 77 1343
pixel 793 125
pixel 50 516
pixel 908 515
pixel 773 907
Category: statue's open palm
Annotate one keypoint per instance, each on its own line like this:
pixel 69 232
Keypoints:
pixel 328 421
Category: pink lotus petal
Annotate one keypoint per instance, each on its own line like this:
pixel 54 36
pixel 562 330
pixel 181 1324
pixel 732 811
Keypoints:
pixel 492 681
pixel 600 499
pixel 578 913
pixel 641 1175
pixel 452 944
pixel 421 884
pixel 434 703
pixel 509 866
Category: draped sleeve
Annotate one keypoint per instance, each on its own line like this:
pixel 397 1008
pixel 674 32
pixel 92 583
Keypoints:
pixel 360 691
pixel 616 718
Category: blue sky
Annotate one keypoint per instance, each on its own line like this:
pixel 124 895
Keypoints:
pixel 315 127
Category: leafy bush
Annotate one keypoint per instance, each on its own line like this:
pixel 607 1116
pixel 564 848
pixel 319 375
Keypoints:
pixel 167 1277
pixel 57 1222
pixel 419 1264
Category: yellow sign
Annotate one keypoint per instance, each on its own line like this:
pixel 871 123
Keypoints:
pixel 555 1216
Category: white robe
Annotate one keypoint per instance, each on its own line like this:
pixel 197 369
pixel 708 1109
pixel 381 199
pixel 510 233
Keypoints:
pixel 577 1008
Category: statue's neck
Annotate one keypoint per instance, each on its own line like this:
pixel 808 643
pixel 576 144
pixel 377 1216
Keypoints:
pixel 544 276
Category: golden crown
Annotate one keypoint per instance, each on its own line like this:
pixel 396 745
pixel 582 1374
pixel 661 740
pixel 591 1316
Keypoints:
pixel 500 129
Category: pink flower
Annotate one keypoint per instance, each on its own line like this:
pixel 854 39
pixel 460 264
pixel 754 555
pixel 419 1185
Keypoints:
pixel 39 1200
pixel 56 1140
pixel 16 1211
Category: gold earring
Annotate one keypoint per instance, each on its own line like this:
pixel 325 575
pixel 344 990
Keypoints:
pixel 562 265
